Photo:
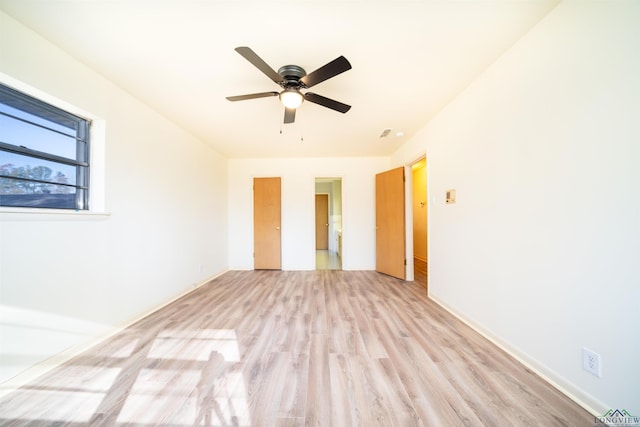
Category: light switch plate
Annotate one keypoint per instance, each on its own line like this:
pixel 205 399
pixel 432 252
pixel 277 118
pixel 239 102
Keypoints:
pixel 451 196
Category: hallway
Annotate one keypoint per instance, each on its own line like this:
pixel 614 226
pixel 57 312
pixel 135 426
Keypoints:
pixel 328 260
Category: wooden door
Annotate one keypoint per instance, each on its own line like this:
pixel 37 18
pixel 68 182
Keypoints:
pixel 390 223
pixel 322 221
pixel 266 224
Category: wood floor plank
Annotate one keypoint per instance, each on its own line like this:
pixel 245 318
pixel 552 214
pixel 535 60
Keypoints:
pixel 294 394
pixel 370 396
pixel 344 395
pixel 313 348
pixel 318 407
pixel 402 409
pixel 265 383
pixel 290 422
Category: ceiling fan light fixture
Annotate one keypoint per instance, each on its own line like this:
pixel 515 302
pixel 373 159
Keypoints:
pixel 291 98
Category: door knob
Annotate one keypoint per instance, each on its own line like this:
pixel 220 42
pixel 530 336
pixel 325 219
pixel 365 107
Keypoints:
pixel 326 225
pixel 277 228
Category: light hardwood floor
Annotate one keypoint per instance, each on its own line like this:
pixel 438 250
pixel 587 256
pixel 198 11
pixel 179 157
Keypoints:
pixel 272 348
pixel 420 271
pixel 328 260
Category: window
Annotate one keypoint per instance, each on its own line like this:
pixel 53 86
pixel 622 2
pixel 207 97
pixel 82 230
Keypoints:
pixel 44 154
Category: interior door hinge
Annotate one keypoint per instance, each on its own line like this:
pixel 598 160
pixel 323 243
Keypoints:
pixel 405 262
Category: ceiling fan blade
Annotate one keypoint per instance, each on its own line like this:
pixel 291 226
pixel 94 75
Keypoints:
pixel 289 115
pixel 257 62
pixel 332 69
pixel 252 96
pixel 326 102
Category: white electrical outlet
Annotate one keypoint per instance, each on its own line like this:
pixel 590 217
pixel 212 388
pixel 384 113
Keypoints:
pixel 591 362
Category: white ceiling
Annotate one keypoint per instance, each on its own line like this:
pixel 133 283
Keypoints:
pixel 409 58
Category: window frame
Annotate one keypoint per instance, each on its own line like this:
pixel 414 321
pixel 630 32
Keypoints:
pixel 34 105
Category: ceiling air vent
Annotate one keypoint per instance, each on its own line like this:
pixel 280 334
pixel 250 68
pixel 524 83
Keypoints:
pixel 385 133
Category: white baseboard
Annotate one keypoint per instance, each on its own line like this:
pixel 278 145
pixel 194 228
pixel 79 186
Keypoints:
pixel 585 400
pixel 56 360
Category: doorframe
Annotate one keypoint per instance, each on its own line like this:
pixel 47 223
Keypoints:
pixel 408 188
pixel 427 207
pixel 333 177
pixel 408 219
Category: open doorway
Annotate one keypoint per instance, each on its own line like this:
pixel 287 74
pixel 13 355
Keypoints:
pixel 420 218
pixel 328 223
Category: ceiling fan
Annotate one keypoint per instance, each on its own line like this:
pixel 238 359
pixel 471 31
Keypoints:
pixel 293 78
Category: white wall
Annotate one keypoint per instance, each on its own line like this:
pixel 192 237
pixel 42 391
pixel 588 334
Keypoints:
pixel 298 213
pixel 541 250
pixel 66 280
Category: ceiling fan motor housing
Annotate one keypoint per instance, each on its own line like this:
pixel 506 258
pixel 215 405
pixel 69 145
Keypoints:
pixel 292 75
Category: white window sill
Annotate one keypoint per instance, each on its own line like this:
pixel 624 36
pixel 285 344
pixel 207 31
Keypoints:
pixel 26 214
